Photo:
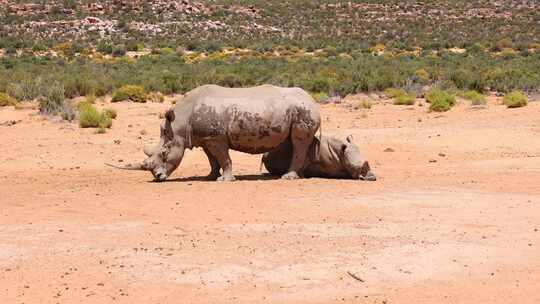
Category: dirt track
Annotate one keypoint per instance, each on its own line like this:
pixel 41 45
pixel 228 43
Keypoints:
pixel 454 217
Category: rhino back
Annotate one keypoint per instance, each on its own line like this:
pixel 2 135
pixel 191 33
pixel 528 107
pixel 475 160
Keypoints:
pixel 253 120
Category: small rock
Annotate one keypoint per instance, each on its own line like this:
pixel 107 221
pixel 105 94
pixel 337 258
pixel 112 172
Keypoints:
pixel 432 160
pixel 389 150
pixel 442 155
pixel 9 123
pixel 120 160
pixel 143 132
pixel 117 141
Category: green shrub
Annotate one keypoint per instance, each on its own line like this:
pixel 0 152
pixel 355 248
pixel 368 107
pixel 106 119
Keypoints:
pixel 53 101
pixel 89 116
pixel 320 97
pixel 101 131
pixel 6 100
pixel 441 101
pixel 475 98
pixel 83 104
pixel 67 112
pixel 110 113
pixel 130 92
pixel 364 104
pixel 393 92
pixel 105 121
pixel 515 99
pixel 405 99
pixel 156 97
pixel 119 52
pixel 90 98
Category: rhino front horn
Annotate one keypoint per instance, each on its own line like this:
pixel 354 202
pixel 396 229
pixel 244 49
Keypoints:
pixel 128 167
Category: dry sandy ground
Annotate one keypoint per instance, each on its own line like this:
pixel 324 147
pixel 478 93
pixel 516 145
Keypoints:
pixel 453 218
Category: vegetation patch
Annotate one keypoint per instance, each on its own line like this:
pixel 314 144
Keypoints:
pixel 405 99
pixel 394 93
pixel 440 101
pixel 156 97
pixel 320 97
pixel 53 102
pixel 474 97
pixel 515 99
pixel 130 92
pixel 90 117
pixel 6 100
pixel 110 113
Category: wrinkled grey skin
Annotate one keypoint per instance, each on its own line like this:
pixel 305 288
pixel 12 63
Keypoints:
pixel 328 157
pixel 251 120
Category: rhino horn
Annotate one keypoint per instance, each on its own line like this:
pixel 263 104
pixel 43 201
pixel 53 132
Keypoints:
pixel 350 139
pixel 149 150
pixel 129 167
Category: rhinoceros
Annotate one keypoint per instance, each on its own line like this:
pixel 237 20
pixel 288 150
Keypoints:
pixel 251 120
pixel 328 157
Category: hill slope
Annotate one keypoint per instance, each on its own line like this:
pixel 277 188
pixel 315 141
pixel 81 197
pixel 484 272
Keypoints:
pixel 264 24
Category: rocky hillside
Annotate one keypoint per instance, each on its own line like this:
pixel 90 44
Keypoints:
pixel 264 24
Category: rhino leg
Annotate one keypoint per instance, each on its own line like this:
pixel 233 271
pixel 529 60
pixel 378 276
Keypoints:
pixel 301 140
pixel 214 165
pixel 221 153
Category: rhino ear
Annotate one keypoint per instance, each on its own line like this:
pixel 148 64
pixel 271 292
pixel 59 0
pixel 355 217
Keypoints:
pixel 169 115
pixel 350 139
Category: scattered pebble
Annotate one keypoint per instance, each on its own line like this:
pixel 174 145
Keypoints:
pixel 10 123
pixel 389 150
pixel 432 160
pixel 442 155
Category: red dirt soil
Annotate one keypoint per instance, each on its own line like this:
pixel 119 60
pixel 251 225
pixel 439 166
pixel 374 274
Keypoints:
pixel 453 218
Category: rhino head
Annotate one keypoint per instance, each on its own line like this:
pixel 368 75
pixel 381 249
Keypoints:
pixel 354 163
pixel 166 156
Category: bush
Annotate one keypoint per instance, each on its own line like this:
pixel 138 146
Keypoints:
pixel 364 104
pixel 320 97
pixel 393 92
pixel 90 117
pixel 130 92
pixel 422 76
pixel 405 99
pixel 90 98
pixel 67 112
pixel 475 98
pixel 156 97
pixel 515 99
pixel 119 52
pixel 441 101
pixel 53 101
pixel 105 121
pixel 6 100
pixel 110 113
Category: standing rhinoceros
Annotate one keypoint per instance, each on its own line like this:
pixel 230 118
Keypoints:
pixel 327 157
pixel 251 120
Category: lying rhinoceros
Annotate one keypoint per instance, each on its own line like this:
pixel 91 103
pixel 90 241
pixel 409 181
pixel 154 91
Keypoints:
pixel 252 120
pixel 328 157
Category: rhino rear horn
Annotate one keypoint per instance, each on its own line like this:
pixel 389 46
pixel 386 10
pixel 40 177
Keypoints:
pixel 149 150
pixel 350 139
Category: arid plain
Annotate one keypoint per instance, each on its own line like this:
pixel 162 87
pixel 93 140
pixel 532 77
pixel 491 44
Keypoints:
pixel 453 218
